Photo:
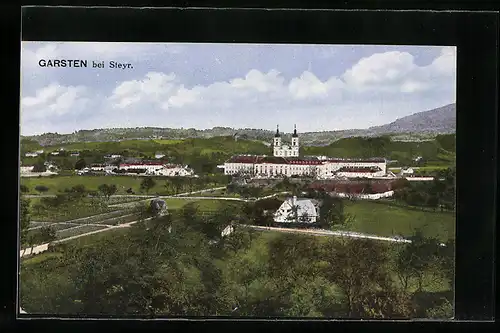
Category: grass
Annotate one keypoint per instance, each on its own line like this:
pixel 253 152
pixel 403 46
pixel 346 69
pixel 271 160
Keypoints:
pixel 387 220
pixel 39 258
pixel 68 211
pixel 202 205
pixel 120 200
pixel 215 193
pixel 167 142
pixel 78 231
pixel 57 184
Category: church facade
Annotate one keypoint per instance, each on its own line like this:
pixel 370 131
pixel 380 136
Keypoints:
pixel 284 150
pixel 286 162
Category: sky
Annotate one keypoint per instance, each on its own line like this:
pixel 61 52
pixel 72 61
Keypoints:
pixel 182 85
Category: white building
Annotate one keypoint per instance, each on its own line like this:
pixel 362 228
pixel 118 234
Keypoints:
pixel 159 155
pixel 172 171
pixel 271 166
pixel 297 210
pixel 227 231
pixel 26 169
pixel 286 162
pixel 148 166
pixel 31 154
pixel 408 171
pixel 39 151
pixel 55 153
pixel 283 150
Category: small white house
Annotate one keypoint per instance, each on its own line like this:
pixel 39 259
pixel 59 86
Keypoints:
pixel 159 155
pixel 31 154
pixel 39 151
pixel 407 171
pixel 227 231
pixel 26 169
pixel 296 210
pixel 55 153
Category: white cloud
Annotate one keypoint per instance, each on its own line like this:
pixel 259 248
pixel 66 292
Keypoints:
pixel 386 68
pixel 378 86
pixel 155 87
pixel 446 63
pixel 53 100
pixel 309 86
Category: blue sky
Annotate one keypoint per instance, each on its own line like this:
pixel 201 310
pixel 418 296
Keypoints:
pixel 318 87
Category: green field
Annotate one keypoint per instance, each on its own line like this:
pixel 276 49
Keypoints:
pixel 59 183
pixel 386 220
pixel 167 142
pixel 203 205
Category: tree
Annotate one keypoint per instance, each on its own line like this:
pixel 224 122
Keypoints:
pixel 24 188
pixel 24 219
pixel 177 183
pixel 416 258
pixel 47 234
pixel 80 164
pixel 39 166
pixel 77 191
pixel 41 188
pixel 67 164
pixel 357 267
pixel 147 184
pixel 107 190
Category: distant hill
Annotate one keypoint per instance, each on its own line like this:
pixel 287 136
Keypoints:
pixel 418 126
pixel 437 121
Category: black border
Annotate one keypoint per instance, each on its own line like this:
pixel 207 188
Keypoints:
pixel 475 34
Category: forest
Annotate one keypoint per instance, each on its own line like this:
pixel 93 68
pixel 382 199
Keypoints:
pixel 180 265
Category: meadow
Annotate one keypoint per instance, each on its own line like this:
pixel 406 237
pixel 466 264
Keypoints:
pixel 388 220
pixel 163 185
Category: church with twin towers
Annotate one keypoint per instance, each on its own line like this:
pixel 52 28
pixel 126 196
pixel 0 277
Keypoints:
pixel 283 150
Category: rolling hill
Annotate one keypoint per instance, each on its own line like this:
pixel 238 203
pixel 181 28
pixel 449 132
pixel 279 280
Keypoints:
pixel 421 125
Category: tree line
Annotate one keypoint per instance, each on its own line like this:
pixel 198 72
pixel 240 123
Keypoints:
pixel 181 265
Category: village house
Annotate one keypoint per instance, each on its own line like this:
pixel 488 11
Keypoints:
pixel 159 155
pixel 295 210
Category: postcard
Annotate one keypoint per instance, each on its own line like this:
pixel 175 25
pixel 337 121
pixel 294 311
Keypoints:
pixel 175 180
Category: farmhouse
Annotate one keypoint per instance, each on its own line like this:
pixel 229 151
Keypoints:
pixel 147 166
pixel 158 206
pixel 286 162
pixel 297 211
pixel 26 169
pixel 159 155
pixel 171 171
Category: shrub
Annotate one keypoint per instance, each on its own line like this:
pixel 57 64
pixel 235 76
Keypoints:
pixel 41 188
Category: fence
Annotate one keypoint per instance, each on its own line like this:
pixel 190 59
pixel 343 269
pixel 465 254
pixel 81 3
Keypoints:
pixel 34 250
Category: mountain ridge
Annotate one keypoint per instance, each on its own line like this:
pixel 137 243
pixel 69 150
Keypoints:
pixel 420 125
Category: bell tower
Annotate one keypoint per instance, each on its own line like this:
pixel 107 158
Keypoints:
pixel 295 142
pixel 277 142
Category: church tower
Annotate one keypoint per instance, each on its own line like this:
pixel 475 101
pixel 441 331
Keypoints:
pixel 295 142
pixel 277 142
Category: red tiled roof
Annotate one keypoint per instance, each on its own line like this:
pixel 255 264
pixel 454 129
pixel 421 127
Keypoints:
pixel 141 164
pixel 296 161
pixel 357 160
pixel 359 169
